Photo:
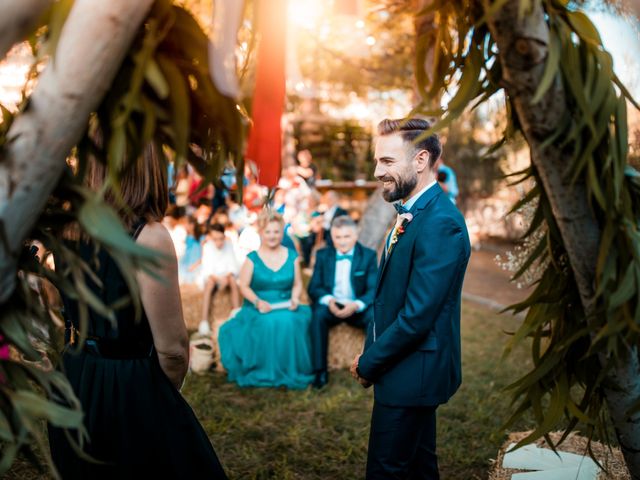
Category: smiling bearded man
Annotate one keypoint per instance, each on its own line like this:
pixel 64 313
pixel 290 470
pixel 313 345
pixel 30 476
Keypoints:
pixel 412 353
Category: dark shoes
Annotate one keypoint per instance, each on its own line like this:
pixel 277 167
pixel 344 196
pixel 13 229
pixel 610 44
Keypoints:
pixel 322 378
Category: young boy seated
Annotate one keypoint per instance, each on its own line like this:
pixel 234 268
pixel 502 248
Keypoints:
pixel 342 288
pixel 219 268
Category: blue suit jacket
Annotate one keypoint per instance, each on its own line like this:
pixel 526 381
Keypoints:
pixel 364 271
pixel 414 359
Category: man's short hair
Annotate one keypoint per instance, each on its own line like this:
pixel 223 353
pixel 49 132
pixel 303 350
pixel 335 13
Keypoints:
pixel 410 129
pixel 343 221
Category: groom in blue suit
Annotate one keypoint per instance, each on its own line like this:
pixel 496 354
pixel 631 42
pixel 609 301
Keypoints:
pixel 412 353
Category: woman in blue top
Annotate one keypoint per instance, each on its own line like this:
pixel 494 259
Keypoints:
pixel 266 344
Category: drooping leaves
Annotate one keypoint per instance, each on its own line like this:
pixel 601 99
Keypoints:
pixel 162 93
pixel 565 385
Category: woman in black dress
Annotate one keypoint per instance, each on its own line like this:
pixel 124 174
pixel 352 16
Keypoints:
pixel 127 377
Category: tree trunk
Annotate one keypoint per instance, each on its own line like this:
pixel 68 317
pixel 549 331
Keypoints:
pixel 523 50
pixel 17 19
pixel 93 43
pixel 378 217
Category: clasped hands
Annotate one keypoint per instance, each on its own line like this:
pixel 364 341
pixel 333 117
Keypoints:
pixel 354 373
pixel 345 312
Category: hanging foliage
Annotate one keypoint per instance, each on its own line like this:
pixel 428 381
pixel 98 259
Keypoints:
pixel 574 347
pixel 162 94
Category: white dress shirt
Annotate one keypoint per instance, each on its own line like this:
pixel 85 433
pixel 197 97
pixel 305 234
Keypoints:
pixel 342 288
pixel 218 262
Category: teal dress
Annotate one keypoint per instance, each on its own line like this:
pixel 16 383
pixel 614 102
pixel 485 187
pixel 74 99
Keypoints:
pixel 268 349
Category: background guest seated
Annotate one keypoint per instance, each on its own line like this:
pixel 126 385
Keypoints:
pixel 342 288
pixel 218 272
pixel 266 344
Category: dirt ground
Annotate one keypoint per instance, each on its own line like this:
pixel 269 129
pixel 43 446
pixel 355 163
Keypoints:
pixel 485 282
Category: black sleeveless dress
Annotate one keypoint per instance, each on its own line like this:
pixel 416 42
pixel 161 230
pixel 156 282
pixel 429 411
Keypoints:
pixel 139 425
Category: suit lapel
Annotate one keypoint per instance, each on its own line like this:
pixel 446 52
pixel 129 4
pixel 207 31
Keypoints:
pixel 424 200
pixel 387 256
pixel 331 269
pixel 383 259
pixel 355 264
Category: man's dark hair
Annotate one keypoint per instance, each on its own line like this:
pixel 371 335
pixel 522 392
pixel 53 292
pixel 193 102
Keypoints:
pixel 171 212
pixel 410 129
pixel 204 201
pixel 216 227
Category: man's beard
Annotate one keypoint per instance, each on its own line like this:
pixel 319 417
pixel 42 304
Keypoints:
pixel 404 186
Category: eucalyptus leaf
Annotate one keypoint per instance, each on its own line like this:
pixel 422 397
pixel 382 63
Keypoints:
pixel 29 403
pixel 153 75
pixel 551 67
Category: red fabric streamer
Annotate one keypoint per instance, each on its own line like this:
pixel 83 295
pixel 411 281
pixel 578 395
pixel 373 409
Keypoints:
pixel 265 138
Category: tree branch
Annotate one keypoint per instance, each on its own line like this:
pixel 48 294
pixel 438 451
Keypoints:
pixel 377 219
pixel 93 43
pixel 17 18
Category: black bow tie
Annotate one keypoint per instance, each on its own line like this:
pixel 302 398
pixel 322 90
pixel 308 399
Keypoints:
pixel 400 208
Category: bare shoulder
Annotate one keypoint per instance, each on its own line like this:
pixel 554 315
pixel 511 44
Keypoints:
pixel 155 235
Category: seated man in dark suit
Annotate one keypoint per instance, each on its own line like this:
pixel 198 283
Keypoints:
pixel 342 289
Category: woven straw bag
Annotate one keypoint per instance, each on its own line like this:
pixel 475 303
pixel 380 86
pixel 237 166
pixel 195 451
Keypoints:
pixel 201 351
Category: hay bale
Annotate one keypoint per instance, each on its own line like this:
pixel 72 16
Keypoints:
pixel 345 342
pixel 220 306
pixel 191 297
pixel 215 328
pixel 611 459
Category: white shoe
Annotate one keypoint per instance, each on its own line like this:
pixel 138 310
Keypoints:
pixel 204 328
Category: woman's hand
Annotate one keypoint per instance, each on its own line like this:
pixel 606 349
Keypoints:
pixel 263 307
pixel 294 304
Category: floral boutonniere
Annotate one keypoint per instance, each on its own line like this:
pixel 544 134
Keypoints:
pixel 401 223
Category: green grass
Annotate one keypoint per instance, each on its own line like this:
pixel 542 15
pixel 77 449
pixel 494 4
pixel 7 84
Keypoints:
pixel 271 433
pixel 268 433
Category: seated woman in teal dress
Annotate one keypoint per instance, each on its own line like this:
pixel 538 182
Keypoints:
pixel 267 344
